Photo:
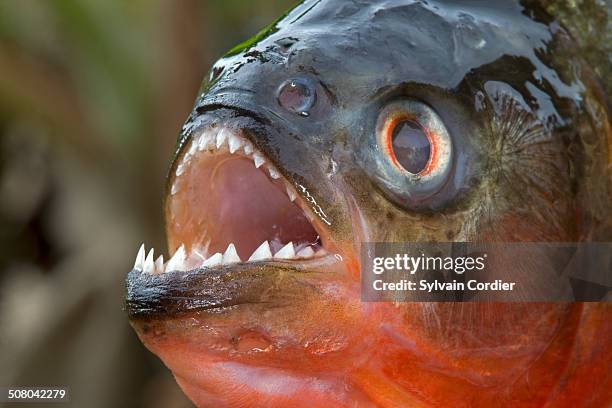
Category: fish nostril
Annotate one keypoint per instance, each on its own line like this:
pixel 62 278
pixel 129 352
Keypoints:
pixel 297 96
pixel 285 44
pixel 216 73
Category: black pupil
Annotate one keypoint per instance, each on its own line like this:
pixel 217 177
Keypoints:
pixel 411 146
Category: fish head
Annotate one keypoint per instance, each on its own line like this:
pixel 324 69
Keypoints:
pixel 344 123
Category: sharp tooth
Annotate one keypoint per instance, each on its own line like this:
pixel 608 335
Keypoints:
pixel 222 136
pixel 149 266
pixel 273 173
pixel 258 159
pixel 235 143
pixel 230 256
pixel 159 264
pixel 248 148
pixel 180 169
pixel 307 252
pixel 291 194
pixel 261 253
pixel 214 260
pixel 140 257
pixel 286 252
pixel 195 142
pixel 192 149
pixel 205 140
pixel 177 261
pixel 194 146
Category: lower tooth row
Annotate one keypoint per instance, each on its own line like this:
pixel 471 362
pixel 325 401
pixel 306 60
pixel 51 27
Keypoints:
pixel 181 261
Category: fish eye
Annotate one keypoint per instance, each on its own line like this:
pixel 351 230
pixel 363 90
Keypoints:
pixel 415 150
pixel 298 96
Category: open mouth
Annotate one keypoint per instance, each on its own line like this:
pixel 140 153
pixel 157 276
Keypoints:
pixel 228 204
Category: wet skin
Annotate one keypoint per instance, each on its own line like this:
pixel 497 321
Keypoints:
pixel 531 156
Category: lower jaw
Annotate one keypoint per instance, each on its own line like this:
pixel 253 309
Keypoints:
pixel 368 366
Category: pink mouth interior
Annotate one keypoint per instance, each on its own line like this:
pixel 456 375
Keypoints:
pixel 225 199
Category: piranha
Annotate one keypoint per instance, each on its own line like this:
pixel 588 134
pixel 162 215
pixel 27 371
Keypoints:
pixel 346 122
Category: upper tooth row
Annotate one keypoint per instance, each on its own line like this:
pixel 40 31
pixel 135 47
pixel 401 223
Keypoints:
pixel 212 139
pixel 181 261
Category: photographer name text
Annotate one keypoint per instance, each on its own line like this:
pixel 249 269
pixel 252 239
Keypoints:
pixel 411 265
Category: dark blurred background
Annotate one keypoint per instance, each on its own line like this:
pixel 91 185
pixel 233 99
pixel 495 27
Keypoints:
pixel 93 94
